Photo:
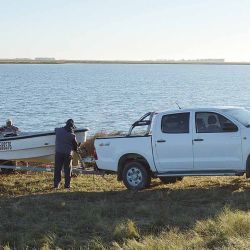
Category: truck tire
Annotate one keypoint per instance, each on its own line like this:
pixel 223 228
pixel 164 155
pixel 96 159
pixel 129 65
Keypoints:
pixel 135 176
pixel 170 179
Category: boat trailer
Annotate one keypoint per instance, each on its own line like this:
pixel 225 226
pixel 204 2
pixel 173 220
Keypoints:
pixel 80 169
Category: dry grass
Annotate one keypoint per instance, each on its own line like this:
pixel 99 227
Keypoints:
pixel 89 144
pixel 196 213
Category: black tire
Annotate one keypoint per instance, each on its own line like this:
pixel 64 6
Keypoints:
pixel 170 179
pixel 248 168
pixel 7 170
pixel 135 176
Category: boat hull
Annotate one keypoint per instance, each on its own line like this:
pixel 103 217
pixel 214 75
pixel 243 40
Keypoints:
pixel 38 147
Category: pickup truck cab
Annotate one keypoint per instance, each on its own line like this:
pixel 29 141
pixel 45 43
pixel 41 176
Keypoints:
pixel 177 143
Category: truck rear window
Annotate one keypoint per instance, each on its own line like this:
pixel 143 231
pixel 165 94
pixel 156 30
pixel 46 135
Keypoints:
pixel 175 123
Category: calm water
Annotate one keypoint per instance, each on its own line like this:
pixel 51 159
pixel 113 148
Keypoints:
pixel 111 97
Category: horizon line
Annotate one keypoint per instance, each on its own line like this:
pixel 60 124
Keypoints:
pixel 51 60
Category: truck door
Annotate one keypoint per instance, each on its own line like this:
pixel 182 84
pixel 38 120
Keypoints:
pixel 216 142
pixel 172 142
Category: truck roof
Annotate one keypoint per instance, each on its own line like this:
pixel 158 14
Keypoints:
pixel 205 108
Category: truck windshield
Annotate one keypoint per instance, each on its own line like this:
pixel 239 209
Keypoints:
pixel 242 115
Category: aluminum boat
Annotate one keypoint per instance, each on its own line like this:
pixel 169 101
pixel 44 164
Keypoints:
pixel 32 147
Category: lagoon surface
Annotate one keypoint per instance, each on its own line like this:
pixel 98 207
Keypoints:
pixel 111 96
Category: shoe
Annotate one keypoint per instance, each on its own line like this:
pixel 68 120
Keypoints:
pixel 57 186
pixel 83 166
pixel 68 187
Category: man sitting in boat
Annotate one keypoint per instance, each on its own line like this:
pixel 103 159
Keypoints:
pixel 9 128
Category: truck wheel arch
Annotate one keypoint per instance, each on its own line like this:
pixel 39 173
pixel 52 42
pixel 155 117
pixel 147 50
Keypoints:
pixel 130 157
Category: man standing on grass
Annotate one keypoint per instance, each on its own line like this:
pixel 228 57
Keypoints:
pixel 65 145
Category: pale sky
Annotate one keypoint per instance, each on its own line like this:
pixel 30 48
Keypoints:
pixel 125 29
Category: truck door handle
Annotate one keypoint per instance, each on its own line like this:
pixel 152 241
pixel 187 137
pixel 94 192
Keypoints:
pixel 161 141
pixel 198 139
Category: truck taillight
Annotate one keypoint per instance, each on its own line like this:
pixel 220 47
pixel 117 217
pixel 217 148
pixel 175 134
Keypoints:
pixel 95 155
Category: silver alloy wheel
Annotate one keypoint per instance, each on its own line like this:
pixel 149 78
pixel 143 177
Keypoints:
pixel 134 176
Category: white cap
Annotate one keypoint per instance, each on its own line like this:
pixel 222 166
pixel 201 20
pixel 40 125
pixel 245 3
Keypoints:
pixel 9 120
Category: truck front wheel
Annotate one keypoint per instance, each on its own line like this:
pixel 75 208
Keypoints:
pixel 135 176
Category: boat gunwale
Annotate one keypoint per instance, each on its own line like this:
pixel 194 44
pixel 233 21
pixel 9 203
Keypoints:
pixel 37 135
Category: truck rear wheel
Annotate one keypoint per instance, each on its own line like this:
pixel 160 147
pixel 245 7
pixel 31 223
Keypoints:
pixel 135 176
pixel 170 179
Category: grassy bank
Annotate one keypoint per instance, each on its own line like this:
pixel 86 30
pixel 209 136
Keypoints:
pixel 97 213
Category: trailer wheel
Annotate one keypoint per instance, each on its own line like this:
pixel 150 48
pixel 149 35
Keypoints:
pixel 135 176
pixel 170 179
pixel 248 167
pixel 7 170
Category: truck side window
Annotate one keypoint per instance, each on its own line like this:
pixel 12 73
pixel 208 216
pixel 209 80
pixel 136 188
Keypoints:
pixel 210 122
pixel 175 123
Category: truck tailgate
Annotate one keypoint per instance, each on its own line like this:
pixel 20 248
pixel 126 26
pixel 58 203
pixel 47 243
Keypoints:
pixel 110 150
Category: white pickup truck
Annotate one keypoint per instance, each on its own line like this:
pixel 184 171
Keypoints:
pixel 178 143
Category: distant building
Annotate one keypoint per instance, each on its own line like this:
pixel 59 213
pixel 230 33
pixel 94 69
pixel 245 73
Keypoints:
pixel 45 59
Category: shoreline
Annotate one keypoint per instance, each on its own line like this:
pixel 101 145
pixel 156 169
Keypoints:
pixel 115 62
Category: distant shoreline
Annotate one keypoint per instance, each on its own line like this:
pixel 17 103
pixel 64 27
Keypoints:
pixel 116 62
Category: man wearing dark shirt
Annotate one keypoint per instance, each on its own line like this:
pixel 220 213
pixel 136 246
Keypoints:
pixel 65 145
